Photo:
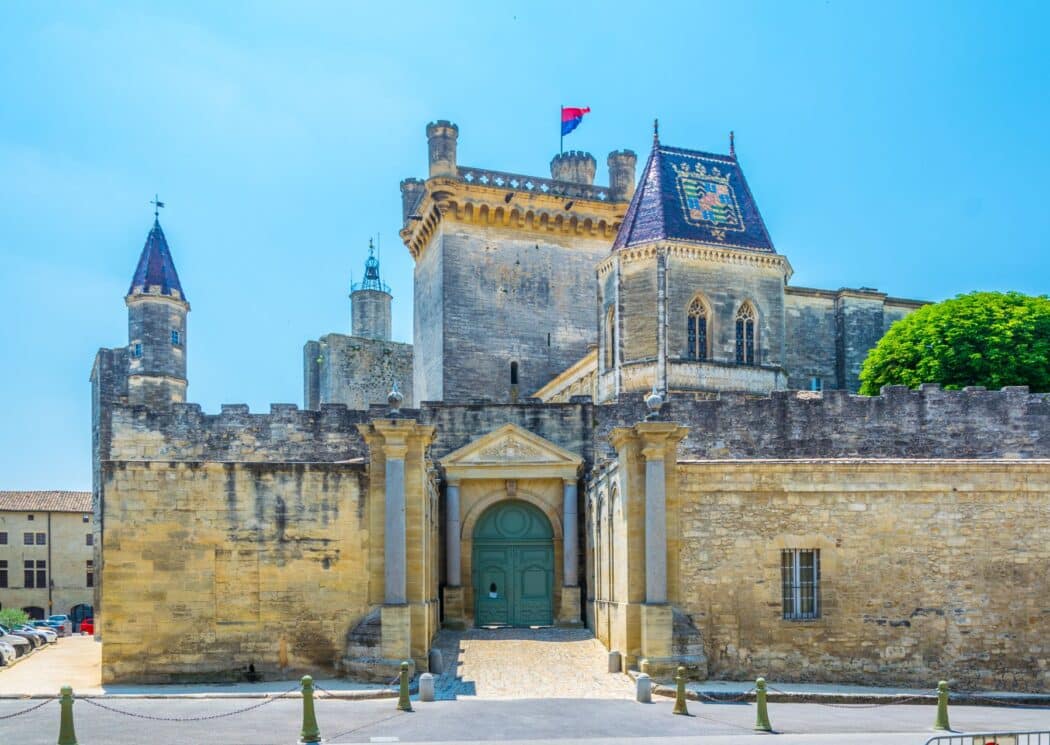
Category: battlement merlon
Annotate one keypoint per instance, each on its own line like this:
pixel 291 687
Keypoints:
pixel 567 203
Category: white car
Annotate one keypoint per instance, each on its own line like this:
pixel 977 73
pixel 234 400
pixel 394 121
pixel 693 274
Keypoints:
pixel 7 653
pixel 20 643
pixel 49 634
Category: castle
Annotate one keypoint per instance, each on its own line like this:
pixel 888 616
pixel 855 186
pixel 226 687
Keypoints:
pixel 617 412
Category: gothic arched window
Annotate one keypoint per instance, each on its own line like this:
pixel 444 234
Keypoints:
pixel 610 338
pixel 697 329
pixel 746 319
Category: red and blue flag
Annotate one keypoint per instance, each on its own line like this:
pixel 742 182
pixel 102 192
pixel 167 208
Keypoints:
pixel 571 118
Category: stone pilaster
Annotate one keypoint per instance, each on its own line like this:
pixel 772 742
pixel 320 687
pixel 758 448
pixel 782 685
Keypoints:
pixel 570 612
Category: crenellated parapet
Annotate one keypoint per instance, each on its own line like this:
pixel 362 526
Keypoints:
pixel 900 423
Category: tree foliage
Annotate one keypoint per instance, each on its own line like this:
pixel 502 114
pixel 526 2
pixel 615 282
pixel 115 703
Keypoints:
pixel 11 617
pixel 982 338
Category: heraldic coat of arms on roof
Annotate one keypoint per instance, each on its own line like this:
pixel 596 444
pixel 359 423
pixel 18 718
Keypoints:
pixel 708 199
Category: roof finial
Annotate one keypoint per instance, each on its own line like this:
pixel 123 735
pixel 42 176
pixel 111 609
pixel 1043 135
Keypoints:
pixel 656 131
pixel 732 144
pixel 157 205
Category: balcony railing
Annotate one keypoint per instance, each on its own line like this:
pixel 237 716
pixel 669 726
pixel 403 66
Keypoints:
pixel 533 184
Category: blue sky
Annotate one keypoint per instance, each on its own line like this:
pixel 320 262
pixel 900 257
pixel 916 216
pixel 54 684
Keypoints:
pixel 901 146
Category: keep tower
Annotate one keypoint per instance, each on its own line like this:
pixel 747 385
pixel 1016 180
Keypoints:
pixel 370 302
pixel 157 309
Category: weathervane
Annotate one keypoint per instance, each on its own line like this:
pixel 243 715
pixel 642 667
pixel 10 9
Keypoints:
pixel 157 206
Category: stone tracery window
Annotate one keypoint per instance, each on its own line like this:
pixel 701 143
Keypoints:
pixel 610 338
pixel 746 319
pixel 697 329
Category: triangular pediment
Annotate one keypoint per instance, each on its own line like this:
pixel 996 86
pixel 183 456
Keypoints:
pixel 510 447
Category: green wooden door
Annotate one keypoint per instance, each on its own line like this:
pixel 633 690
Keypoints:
pixel 513 567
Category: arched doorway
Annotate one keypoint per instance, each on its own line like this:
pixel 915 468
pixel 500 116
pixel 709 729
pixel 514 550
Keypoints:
pixel 513 566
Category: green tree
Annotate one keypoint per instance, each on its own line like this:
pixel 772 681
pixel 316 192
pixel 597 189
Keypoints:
pixel 10 617
pixel 982 338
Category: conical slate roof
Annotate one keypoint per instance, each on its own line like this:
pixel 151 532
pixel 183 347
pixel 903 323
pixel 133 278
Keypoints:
pixel 696 197
pixel 156 268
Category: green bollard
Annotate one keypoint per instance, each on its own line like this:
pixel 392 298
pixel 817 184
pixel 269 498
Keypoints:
pixel 679 693
pixel 762 715
pixel 942 707
pixel 403 702
pixel 66 734
pixel 310 732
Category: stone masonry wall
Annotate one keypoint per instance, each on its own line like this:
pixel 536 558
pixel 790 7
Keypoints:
pixel 358 372
pixel 929 569
pixel 214 567
pixel 901 423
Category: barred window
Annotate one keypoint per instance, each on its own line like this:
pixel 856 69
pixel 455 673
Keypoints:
pixel 41 539
pixel 89 539
pixel 90 573
pixel 27 539
pixel 800 581
pixel 745 334
pixel 697 329
pixel 3 538
pixel 3 572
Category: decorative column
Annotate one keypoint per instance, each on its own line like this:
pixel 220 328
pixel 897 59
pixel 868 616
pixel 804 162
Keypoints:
pixel 569 612
pixel 395 590
pixel 455 617
pixel 452 557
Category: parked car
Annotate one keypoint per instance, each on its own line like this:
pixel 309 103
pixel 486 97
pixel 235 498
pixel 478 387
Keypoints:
pixel 56 627
pixel 7 653
pixel 50 635
pixel 21 644
pixel 87 626
pixel 63 619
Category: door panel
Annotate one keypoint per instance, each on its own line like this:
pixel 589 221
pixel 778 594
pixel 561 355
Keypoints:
pixel 523 578
pixel 492 589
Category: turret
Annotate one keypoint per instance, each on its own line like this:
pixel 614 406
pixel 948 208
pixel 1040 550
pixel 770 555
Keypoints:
pixel 622 175
pixel 157 311
pixel 370 302
pixel 441 142
pixel 574 166
pixel 411 192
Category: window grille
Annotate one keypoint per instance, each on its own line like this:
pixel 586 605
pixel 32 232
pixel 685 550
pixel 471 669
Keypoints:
pixel 90 539
pixel 800 582
pixel 41 539
pixel 697 329
pixel 3 572
pixel 90 573
pixel 745 334
pixel 27 539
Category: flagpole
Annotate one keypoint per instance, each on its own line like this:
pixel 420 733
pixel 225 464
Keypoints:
pixel 561 138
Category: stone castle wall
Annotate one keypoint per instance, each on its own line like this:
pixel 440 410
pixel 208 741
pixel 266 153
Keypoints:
pixel 929 570
pixel 901 423
pixel 214 567
pixel 355 371
pixel 496 296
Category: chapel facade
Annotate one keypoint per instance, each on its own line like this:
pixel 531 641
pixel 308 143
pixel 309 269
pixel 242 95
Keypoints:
pixel 616 412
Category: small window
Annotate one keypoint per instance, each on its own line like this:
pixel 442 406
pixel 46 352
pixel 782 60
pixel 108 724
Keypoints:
pixel 513 373
pixel 136 351
pixel 89 539
pixel 30 517
pixel 90 573
pixel 175 340
pixel 800 582
pixel 3 539
pixel 27 539
pixel 86 518
pixel 816 384
pixel 3 572
pixel 41 539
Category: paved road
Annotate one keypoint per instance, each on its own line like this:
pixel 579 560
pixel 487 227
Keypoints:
pixel 527 663
pixel 72 660
pixel 470 719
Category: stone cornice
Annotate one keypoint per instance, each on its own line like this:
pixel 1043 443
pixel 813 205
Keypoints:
pixel 447 199
pixel 697 252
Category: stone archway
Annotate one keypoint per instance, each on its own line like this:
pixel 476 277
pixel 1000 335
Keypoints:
pixel 513 566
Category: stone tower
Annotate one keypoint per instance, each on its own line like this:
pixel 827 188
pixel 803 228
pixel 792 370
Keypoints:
pixel 157 311
pixel 370 302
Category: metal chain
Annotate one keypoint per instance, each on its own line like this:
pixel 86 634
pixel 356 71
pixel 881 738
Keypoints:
pixel 205 718
pixel 997 700
pixel 723 699
pixel 363 726
pixel 894 702
pixel 45 702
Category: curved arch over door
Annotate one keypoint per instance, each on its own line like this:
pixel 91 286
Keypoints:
pixel 513 566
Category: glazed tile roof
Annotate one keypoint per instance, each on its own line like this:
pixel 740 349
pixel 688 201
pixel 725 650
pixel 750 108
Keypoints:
pixel 156 267
pixel 45 501
pixel 687 195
